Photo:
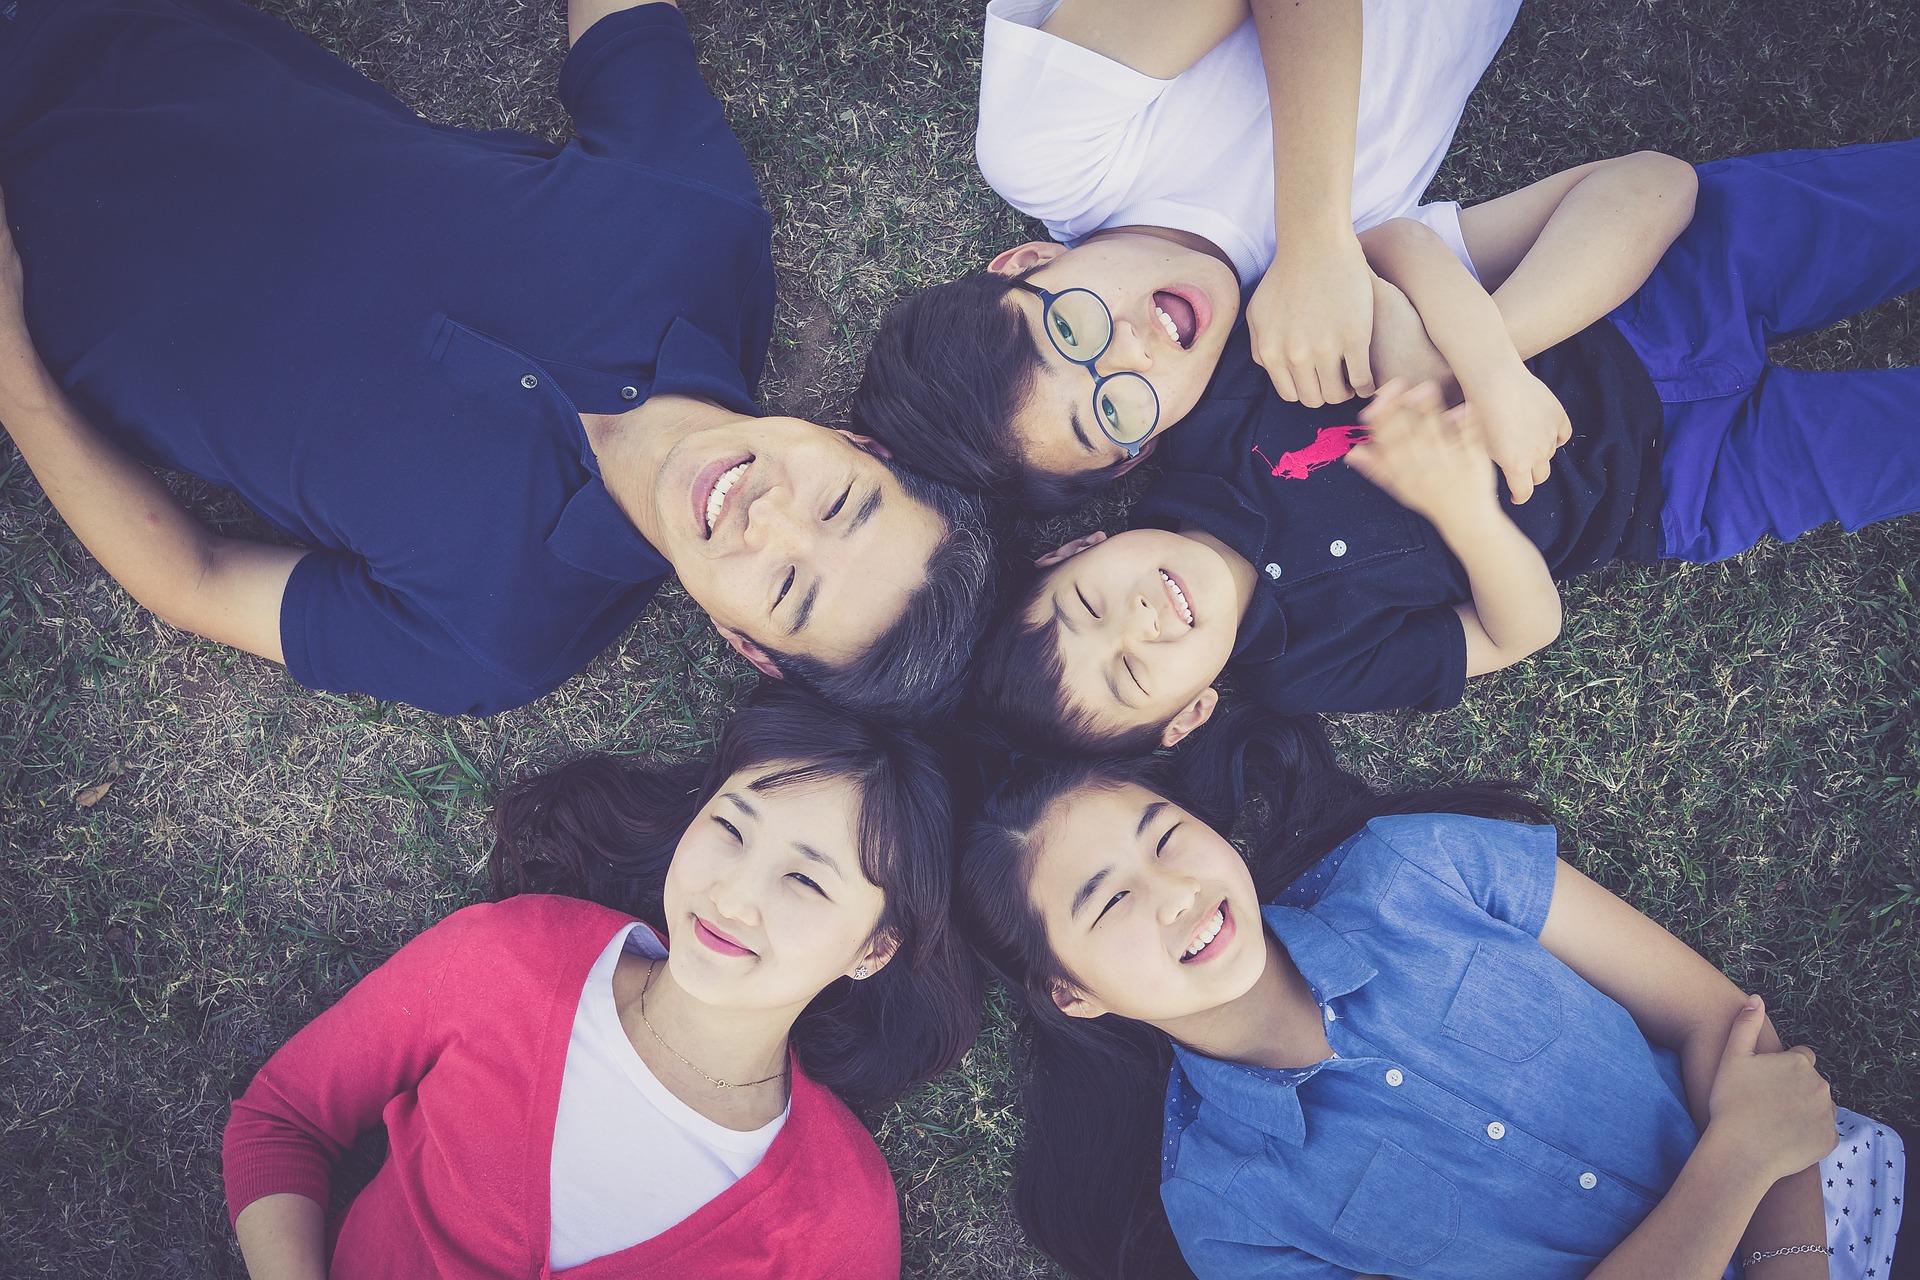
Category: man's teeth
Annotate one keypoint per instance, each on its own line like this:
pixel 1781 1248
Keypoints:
pixel 1208 932
pixel 1179 596
pixel 717 496
pixel 1166 322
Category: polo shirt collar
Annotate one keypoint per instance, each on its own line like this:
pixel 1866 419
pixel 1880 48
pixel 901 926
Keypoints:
pixel 595 535
pixel 693 363
pixel 1267 1099
pixel 1212 503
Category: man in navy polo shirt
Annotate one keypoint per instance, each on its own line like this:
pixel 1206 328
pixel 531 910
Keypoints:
pixel 497 389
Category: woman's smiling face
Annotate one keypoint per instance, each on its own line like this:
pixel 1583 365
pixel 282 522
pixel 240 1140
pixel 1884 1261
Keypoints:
pixel 1148 909
pixel 766 901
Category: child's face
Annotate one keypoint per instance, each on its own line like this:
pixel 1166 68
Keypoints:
pixel 1144 622
pixel 1172 310
pixel 1152 913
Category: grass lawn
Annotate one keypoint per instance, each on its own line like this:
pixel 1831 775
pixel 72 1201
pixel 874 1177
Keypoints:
pixel 1732 747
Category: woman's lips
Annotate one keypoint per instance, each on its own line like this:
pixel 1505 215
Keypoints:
pixel 1220 939
pixel 715 940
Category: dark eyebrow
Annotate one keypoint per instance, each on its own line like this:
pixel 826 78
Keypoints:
pixel 805 611
pixel 1147 816
pixel 812 854
pixel 867 508
pixel 1087 890
pixel 745 808
pixel 1080 432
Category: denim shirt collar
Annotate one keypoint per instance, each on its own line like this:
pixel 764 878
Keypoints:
pixel 1266 1099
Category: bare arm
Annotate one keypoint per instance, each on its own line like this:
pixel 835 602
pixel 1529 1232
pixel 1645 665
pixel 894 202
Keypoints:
pixel 1565 251
pixel 582 14
pixel 1311 317
pixel 226 589
pixel 1682 1002
pixel 1436 464
pixel 283 1237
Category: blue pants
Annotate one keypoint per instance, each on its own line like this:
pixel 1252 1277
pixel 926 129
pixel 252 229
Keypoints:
pixel 1781 244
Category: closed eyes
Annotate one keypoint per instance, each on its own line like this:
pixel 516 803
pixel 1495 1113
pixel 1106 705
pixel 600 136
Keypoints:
pixel 1083 600
pixel 839 502
pixel 785 586
pixel 1103 911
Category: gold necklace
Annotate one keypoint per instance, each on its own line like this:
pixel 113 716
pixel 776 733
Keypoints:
pixel 653 967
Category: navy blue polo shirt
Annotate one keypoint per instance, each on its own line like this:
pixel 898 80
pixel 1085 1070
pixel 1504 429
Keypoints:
pixel 1355 607
pixel 246 261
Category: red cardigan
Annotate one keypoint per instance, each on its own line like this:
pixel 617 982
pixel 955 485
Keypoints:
pixel 458 1043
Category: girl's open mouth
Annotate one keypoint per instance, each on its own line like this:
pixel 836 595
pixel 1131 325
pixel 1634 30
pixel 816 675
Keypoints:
pixel 1182 313
pixel 1214 933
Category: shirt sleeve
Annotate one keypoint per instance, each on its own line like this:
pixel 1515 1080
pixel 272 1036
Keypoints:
pixel 1421 664
pixel 1055 124
pixel 633 87
pixel 1506 868
pixel 331 1082
pixel 342 632
pixel 1221 1243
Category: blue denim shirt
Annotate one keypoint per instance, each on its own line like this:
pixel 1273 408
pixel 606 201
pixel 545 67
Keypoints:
pixel 1486 1111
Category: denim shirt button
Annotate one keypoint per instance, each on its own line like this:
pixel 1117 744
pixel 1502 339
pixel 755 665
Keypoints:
pixel 1331 1015
pixel 1496 1131
pixel 1588 1182
pixel 1394 1077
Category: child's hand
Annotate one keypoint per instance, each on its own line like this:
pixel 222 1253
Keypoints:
pixel 1431 460
pixel 1774 1108
pixel 1524 424
pixel 1311 319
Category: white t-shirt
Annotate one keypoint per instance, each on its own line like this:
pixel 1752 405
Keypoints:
pixel 1082 142
pixel 629 1159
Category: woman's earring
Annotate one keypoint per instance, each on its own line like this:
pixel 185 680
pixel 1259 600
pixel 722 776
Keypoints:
pixel 859 973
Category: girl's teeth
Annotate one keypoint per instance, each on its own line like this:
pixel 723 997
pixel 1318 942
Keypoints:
pixel 717 496
pixel 1208 932
pixel 1166 322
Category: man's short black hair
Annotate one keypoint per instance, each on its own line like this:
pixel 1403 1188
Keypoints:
pixel 917 667
pixel 1019 688
pixel 949 369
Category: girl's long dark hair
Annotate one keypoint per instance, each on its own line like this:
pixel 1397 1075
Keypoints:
pixel 605 828
pixel 1087 1190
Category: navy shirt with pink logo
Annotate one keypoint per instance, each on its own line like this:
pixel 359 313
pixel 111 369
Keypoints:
pixel 1356 605
pixel 247 261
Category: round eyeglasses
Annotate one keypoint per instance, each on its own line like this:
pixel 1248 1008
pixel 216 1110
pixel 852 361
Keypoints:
pixel 1081 329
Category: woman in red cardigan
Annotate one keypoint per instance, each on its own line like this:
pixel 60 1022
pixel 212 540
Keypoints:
pixel 569 1090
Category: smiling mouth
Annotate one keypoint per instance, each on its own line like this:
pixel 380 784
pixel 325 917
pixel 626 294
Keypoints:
pixel 1214 932
pixel 714 940
pixel 713 503
pixel 1178 596
pixel 1177 318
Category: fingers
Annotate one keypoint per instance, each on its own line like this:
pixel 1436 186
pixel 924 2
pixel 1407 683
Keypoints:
pixel 1519 484
pixel 1803 1051
pixel 1359 364
pixel 1745 1033
pixel 1282 377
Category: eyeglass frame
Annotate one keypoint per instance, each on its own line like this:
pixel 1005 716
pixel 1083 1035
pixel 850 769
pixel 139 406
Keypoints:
pixel 1047 297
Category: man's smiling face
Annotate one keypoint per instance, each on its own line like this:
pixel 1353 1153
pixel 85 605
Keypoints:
pixel 1172 307
pixel 792 537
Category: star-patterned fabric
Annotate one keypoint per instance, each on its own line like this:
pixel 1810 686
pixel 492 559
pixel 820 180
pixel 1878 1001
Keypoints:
pixel 1863 1181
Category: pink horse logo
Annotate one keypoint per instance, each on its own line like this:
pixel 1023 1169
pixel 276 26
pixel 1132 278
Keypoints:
pixel 1331 445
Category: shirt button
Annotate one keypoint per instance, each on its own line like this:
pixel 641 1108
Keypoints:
pixel 629 393
pixel 1338 547
pixel 1496 1131
pixel 529 382
pixel 1273 571
pixel 1331 1015
pixel 1588 1182
pixel 1394 1077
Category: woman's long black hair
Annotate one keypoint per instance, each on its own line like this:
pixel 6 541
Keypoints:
pixel 604 828
pixel 1087 1190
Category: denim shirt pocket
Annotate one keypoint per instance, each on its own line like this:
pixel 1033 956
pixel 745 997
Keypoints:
pixel 1403 1208
pixel 1507 1004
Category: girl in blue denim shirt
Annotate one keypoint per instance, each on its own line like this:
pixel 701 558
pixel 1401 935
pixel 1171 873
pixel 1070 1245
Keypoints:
pixel 1437 1050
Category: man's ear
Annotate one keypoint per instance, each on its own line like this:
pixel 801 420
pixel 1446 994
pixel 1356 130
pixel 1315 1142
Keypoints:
pixel 1070 550
pixel 1076 1003
pixel 1025 257
pixel 762 660
pixel 868 443
pixel 1191 717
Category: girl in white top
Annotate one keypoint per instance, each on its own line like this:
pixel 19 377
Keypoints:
pixel 1274 129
